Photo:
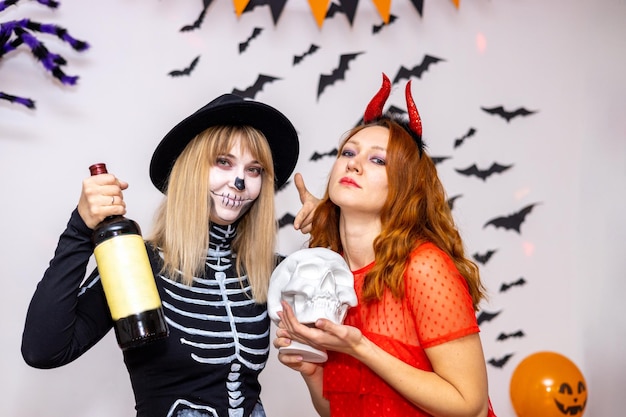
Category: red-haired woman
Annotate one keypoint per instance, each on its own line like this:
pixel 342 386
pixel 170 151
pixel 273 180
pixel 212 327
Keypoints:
pixel 411 347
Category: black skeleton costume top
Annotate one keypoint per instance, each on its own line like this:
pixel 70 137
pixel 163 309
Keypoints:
pixel 218 343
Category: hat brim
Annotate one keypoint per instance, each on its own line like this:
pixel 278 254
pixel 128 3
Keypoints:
pixel 229 109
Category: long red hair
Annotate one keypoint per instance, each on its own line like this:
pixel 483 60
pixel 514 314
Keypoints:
pixel 415 211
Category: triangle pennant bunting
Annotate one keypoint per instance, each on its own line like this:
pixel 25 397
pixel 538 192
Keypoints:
pixel 349 8
pixel 383 7
pixel 276 6
pixel 319 9
pixel 419 6
pixel 240 6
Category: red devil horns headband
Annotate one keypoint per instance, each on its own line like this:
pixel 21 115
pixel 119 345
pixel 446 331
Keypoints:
pixel 374 110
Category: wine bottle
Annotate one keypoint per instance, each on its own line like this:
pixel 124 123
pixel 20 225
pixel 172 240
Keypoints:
pixel 127 279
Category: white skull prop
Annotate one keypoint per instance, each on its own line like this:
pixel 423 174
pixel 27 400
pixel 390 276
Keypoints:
pixel 316 283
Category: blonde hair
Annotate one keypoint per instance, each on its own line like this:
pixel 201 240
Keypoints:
pixel 181 227
pixel 416 211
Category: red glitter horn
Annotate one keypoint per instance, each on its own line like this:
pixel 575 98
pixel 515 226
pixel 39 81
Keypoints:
pixel 375 107
pixel 415 121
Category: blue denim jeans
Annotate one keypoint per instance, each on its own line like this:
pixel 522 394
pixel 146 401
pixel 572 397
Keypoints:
pixel 258 411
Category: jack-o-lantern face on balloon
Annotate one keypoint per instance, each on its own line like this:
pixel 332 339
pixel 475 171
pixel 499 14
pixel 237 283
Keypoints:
pixel 571 400
pixel 547 384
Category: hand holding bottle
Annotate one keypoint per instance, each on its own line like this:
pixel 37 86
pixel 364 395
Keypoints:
pixel 125 271
pixel 101 197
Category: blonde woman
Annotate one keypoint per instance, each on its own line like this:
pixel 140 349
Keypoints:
pixel 212 252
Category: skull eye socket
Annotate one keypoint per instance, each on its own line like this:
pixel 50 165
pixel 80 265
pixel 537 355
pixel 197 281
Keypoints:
pixel 581 387
pixel 310 271
pixel 566 389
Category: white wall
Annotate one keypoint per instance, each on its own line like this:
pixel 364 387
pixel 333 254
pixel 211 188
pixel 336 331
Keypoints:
pixel 565 59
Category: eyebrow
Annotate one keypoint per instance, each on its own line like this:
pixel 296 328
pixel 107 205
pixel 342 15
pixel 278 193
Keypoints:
pixel 231 156
pixel 357 143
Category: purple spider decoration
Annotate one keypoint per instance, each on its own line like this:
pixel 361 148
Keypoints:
pixel 17 32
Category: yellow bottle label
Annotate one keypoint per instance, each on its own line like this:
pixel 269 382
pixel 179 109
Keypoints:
pixel 126 276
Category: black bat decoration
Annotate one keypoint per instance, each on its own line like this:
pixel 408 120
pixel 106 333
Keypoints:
pixel 505 336
pixel 286 220
pixel 185 71
pixel 519 283
pixel 418 70
pixel 378 28
pixel 196 24
pixel 312 49
pixel 451 201
pixel 499 363
pixel 458 142
pixel 316 156
pixel 244 45
pixel 251 91
pixel 483 174
pixel 484 316
pixel 513 221
pixel 396 111
pixel 392 111
pixel 439 159
pixel 508 115
pixel 484 258
pixel 338 73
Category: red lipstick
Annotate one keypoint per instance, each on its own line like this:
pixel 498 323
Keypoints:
pixel 348 181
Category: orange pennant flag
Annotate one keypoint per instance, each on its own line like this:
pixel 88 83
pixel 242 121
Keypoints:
pixel 240 6
pixel 457 3
pixel 384 7
pixel 319 8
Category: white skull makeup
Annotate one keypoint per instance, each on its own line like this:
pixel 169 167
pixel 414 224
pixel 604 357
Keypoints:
pixel 235 181
pixel 316 283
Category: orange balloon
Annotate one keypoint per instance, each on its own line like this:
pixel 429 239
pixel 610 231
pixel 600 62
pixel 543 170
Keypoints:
pixel 547 384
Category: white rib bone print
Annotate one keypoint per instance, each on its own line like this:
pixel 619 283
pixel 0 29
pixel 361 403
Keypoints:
pixel 224 302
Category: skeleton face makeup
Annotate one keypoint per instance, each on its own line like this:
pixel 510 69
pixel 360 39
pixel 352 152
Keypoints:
pixel 240 184
pixel 234 183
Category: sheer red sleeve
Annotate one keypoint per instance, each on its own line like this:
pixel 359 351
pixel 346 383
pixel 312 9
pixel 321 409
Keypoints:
pixel 438 297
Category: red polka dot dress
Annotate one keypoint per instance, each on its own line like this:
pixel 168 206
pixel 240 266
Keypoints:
pixel 436 308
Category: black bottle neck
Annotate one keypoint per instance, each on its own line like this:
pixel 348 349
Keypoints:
pixel 113 226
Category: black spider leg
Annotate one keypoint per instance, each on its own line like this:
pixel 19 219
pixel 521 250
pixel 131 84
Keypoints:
pixel 19 100
pixel 57 31
pixel 7 3
pixel 48 3
pixel 7 45
pixel 51 62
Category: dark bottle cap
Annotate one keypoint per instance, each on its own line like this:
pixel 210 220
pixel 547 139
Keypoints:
pixel 99 168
